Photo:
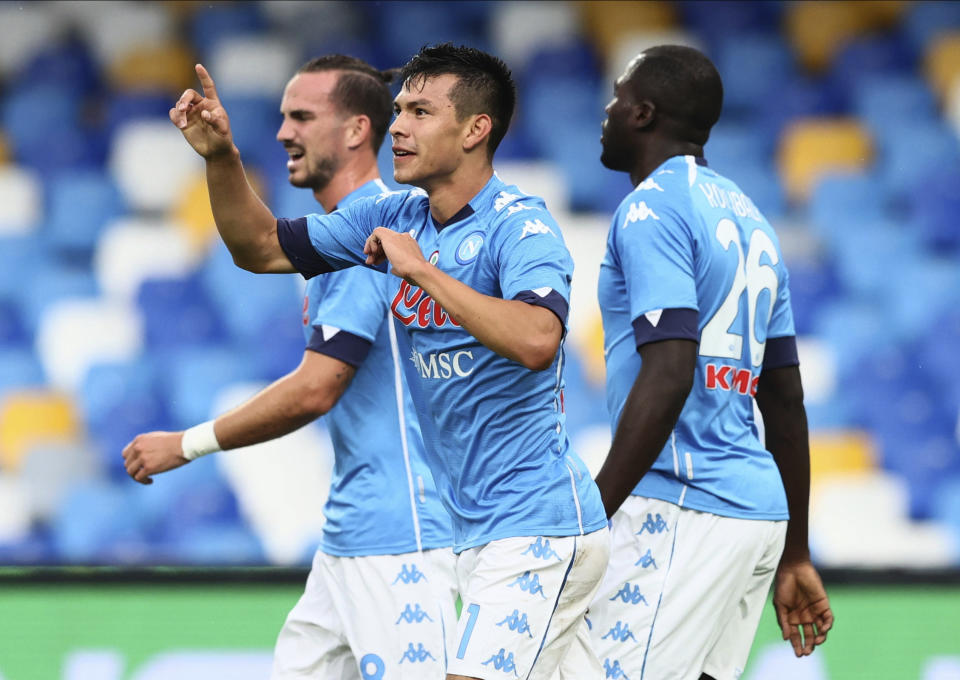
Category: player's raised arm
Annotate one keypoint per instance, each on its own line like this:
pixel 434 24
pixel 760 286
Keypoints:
pixel 246 225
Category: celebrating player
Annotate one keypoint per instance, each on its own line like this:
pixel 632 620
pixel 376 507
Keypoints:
pixel 482 319
pixel 697 322
pixel 383 580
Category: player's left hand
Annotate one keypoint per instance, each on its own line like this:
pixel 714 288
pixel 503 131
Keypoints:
pixel 403 251
pixel 152 453
pixel 802 606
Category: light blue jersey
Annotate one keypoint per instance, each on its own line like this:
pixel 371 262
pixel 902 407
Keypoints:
pixel 382 496
pixel 494 430
pixel 688 238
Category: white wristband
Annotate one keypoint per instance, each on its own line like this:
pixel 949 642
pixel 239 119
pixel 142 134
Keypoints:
pixel 199 440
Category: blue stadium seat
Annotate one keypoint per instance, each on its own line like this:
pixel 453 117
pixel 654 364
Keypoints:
pixel 19 368
pixel 762 185
pixel 576 59
pixel 852 328
pixel 210 24
pixel 554 108
pixel 946 503
pixel 842 202
pixel 917 151
pixel 254 122
pixel 95 525
pixel 35 549
pixel 934 207
pixel 68 66
pixel 22 256
pixel 79 205
pixel 217 544
pixel 733 146
pixel 923 287
pixel 813 283
pixel 47 286
pixel 403 28
pixel 872 57
pixel 887 103
pixel 865 253
pixel 755 69
pixel 12 331
pixel 289 201
pixel 711 19
pixel 924 20
pixel 178 312
pixel 592 187
pixel 123 107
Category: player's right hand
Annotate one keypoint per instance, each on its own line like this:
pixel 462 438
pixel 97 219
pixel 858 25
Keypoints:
pixel 152 453
pixel 202 119
pixel 802 606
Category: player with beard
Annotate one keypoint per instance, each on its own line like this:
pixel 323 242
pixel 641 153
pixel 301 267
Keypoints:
pixel 380 595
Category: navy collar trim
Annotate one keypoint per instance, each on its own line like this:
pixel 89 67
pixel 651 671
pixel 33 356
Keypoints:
pixel 462 214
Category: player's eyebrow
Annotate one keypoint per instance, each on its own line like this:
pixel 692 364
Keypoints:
pixel 414 103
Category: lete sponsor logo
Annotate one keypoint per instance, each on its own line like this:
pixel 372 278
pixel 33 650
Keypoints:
pixel 412 306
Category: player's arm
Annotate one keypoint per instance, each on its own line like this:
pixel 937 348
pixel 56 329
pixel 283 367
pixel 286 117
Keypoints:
pixel 288 404
pixel 526 333
pixel 649 416
pixel 800 600
pixel 247 226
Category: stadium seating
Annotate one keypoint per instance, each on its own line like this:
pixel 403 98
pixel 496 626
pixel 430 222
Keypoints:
pixel 122 312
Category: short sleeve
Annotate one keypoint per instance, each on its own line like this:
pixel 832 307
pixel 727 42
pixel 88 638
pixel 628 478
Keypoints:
pixel 534 263
pixel 354 301
pixel 655 248
pixel 781 318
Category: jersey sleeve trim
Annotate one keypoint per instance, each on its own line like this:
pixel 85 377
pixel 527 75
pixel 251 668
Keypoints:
pixel 295 242
pixel 666 324
pixel 550 299
pixel 781 352
pixel 349 348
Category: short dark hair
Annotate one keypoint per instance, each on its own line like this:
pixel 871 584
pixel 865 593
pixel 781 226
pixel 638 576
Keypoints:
pixel 484 83
pixel 684 85
pixel 361 89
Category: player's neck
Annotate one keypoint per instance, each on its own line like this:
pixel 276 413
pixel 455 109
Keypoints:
pixel 656 154
pixel 345 181
pixel 449 195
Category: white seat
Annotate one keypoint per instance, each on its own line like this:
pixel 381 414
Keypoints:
pixel 252 65
pixel 520 28
pixel 27 29
pixel 14 510
pixel 20 200
pixel 152 164
pixel 952 105
pixel 280 485
pixel 134 249
pixel 818 369
pixel 74 334
pixel 49 472
pixel 113 28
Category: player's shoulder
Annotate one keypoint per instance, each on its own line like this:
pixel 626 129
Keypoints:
pixel 515 216
pixel 398 200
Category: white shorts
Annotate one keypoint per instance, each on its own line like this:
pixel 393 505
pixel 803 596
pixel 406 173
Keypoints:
pixel 524 600
pixel 684 591
pixel 372 617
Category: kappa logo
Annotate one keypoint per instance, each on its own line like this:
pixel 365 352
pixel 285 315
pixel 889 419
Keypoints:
pixel 502 661
pixel 630 595
pixel 531 227
pixel 469 247
pixel 517 622
pixel 502 199
pixel 409 574
pixel 638 212
pixel 531 584
pixel 646 561
pixel 614 671
pixel 653 526
pixel 541 549
pixel 649 185
pixel 416 654
pixel 411 305
pixel 415 615
pixel 620 633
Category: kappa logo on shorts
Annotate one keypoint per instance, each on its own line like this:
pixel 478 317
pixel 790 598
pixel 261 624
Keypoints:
pixel 502 661
pixel 517 622
pixel 530 584
pixel 630 595
pixel 614 671
pixel 415 615
pixel 654 526
pixel 409 575
pixel 620 632
pixel 416 654
pixel 646 561
pixel 541 549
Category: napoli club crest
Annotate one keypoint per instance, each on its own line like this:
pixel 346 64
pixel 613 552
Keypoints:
pixel 469 247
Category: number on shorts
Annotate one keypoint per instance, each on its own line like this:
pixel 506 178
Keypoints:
pixel 472 612
pixel 378 667
pixel 716 340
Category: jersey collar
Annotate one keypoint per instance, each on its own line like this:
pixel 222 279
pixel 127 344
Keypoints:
pixel 475 204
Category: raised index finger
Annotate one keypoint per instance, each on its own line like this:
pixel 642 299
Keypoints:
pixel 206 82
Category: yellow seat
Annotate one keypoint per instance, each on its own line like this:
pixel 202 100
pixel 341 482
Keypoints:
pixel 5 154
pixel 167 68
pixel 841 452
pixel 608 21
pixel 818 30
pixel 942 63
pixel 812 147
pixel 28 418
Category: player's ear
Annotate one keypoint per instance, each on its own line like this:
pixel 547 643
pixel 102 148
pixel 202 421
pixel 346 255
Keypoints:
pixel 477 131
pixel 356 131
pixel 644 112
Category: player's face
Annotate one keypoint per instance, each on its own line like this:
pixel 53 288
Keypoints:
pixel 615 138
pixel 427 137
pixel 312 129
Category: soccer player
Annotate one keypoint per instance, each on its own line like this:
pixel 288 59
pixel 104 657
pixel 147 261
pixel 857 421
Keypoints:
pixel 382 588
pixel 481 303
pixel 697 322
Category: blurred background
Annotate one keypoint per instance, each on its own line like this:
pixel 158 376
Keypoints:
pixel 121 312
